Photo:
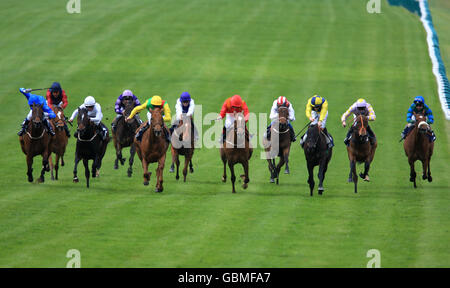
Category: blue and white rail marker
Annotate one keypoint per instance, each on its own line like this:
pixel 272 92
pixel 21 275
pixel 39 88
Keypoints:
pixel 436 59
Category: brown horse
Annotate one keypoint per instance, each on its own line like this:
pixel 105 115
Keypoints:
pixel 36 141
pixel 124 137
pixel 153 148
pixel 418 147
pixel 279 144
pixel 183 144
pixel 58 145
pixel 236 149
pixel 360 150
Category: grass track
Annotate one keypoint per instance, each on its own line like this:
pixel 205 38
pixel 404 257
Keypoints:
pixel 214 49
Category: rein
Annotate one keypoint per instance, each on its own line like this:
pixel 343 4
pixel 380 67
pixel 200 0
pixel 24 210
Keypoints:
pixel 84 140
pixel 36 138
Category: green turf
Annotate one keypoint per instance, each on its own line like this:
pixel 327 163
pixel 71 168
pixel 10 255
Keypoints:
pixel 214 49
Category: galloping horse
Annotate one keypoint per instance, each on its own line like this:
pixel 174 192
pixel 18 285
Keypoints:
pixel 236 150
pixel 153 148
pixel 58 145
pixel 183 144
pixel 124 137
pixel 90 146
pixel 283 144
pixel 360 150
pixel 418 147
pixel 317 153
pixel 36 141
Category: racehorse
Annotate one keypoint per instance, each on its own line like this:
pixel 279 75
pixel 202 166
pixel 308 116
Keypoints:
pixel 183 144
pixel 360 150
pixel 153 148
pixel 317 153
pixel 58 145
pixel 124 137
pixel 236 149
pixel 280 128
pixel 36 141
pixel 90 146
pixel 418 147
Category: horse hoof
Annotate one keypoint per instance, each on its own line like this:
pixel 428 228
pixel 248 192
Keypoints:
pixel 116 166
pixel 158 190
pixel 97 173
pixel 245 185
pixel 224 179
pixel 146 183
pixel 52 178
pixel 430 179
pixel 286 171
pixel 350 180
pixel 172 169
pixel 122 161
pixel 41 180
pixel 75 180
pixel 321 190
pixel 367 179
pixel 278 182
pixel 272 180
pixel 191 170
pixel 177 177
pixel 424 177
pixel 129 174
pixel 411 179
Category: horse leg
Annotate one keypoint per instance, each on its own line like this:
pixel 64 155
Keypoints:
pixel 86 171
pixel 365 175
pixel 30 167
pixel 187 159
pixel 322 170
pixel 311 178
pixel 177 162
pixel 57 157
pixel 412 174
pixel 429 171
pixel 52 167
pixel 233 176
pixel 354 175
pixel 146 173
pixel 191 167
pixel 172 166
pixel 131 160
pixel 245 176
pixel 224 160
pixel 62 160
pixel 159 174
pixel 425 168
pixel 280 164
pixel 45 166
pixel 286 159
pixel 271 168
pixel 94 166
pixel 75 178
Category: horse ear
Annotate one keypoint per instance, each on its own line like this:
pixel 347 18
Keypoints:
pixel 150 110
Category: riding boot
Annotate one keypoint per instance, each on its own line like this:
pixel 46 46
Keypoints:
pixel 113 127
pixel 431 136
pixel 49 127
pixel 303 139
pixel 348 137
pixel 67 130
pixel 268 134
pixel 141 132
pixel 405 132
pixel 167 134
pixel 372 137
pixel 328 137
pixel 292 133
pixel 24 127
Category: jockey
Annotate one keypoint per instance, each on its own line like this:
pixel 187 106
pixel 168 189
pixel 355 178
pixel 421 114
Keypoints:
pixel 418 107
pixel 231 106
pixel 56 96
pixel 48 113
pixel 95 114
pixel 357 108
pixel 317 113
pixel 282 102
pixel 120 105
pixel 185 106
pixel 153 102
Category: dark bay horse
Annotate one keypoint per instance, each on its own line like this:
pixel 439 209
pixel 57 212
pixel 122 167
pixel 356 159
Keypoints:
pixel 153 148
pixel 36 141
pixel 236 149
pixel 58 145
pixel 183 144
pixel 279 144
pixel 317 153
pixel 418 147
pixel 124 137
pixel 90 146
pixel 360 150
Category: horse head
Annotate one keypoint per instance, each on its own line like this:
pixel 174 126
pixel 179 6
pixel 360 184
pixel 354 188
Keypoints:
pixel 421 123
pixel 60 118
pixel 129 106
pixel 157 123
pixel 85 125
pixel 239 124
pixel 37 115
pixel 283 116
pixel 312 140
pixel 360 128
pixel 186 124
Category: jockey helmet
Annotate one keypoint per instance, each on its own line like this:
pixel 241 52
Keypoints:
pixel 282 100
pixel 185 97
pixel 419 99
pixel 89 101
pixel 361 103
pixel 236 101
pixel 316 101
pixel 156 100
pixel 127 93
